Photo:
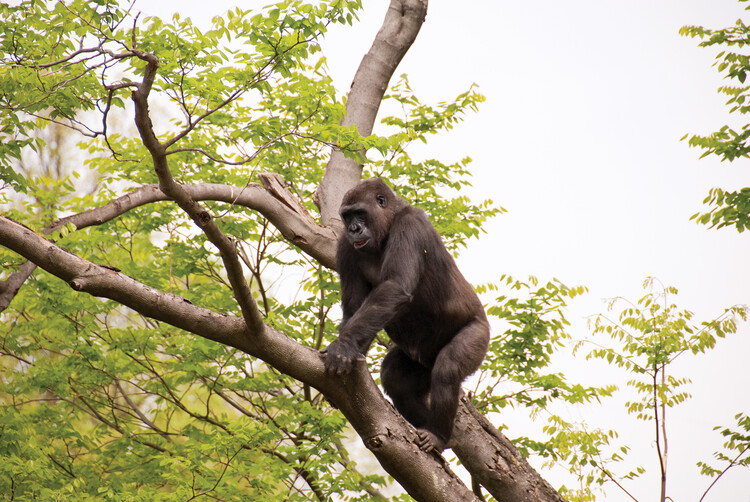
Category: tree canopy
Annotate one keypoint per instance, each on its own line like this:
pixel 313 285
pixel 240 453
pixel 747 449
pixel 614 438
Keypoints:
pixel 214 154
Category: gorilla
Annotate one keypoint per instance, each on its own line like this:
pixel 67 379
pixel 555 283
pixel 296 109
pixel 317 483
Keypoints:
pixel 397 275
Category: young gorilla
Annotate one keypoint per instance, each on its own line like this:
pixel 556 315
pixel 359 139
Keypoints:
pixel 397 275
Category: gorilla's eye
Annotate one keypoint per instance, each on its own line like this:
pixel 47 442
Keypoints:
pixel 381 200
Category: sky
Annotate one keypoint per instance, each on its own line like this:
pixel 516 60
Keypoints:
pixel 579 140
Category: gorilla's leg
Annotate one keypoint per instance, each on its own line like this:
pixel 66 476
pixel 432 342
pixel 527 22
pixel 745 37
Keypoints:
pixel 457 360
pixel 407 383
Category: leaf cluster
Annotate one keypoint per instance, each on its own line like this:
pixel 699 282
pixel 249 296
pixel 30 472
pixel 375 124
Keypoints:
pixel 649 336
pixel 736 445
pixel 729 208
pixel 582 450
pixel 535 328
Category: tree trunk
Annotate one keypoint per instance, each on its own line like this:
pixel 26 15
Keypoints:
pixel 400 28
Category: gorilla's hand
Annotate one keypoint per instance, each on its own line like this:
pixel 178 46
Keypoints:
pixel 340 357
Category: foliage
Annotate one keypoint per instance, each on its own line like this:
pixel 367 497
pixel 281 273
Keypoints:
pixel 517 373
pixel 522 353
pixel 729 207
pixel 588 454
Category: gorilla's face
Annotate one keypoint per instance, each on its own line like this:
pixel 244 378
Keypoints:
pixel 367 213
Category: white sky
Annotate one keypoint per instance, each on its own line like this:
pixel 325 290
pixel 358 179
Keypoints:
pixel 579 140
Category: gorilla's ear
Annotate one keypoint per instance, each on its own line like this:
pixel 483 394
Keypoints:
pixel 381 199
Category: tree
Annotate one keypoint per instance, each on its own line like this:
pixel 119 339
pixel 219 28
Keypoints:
pixel 729 207
pixel 145 353
pixel 648 336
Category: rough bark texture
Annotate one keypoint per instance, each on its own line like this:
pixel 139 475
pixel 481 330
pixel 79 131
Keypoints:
pixel 494 462
pixel 487 454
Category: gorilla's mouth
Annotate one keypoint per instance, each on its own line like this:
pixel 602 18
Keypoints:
pixel 360 244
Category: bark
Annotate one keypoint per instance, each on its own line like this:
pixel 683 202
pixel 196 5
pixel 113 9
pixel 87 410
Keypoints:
pixel 494 462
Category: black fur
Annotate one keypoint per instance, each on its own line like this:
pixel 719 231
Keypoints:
pixel 397 275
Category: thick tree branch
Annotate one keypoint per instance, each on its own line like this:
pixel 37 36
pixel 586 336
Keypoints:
pixel 494 462
pixel 296 226
pixel 10 286
pixel 97 280
pixel 400 28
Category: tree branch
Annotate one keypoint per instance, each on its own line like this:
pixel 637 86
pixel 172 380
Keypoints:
pixel 494 462
pixel 724 471
pixel 10 286
pixel 198 213
pixel 97 280
pixel 296 226
pixel 139 413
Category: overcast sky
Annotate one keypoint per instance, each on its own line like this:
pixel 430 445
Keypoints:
pixel 580 140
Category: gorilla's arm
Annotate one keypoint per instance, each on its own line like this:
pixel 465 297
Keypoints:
pixel 354 286
pixel 403 263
